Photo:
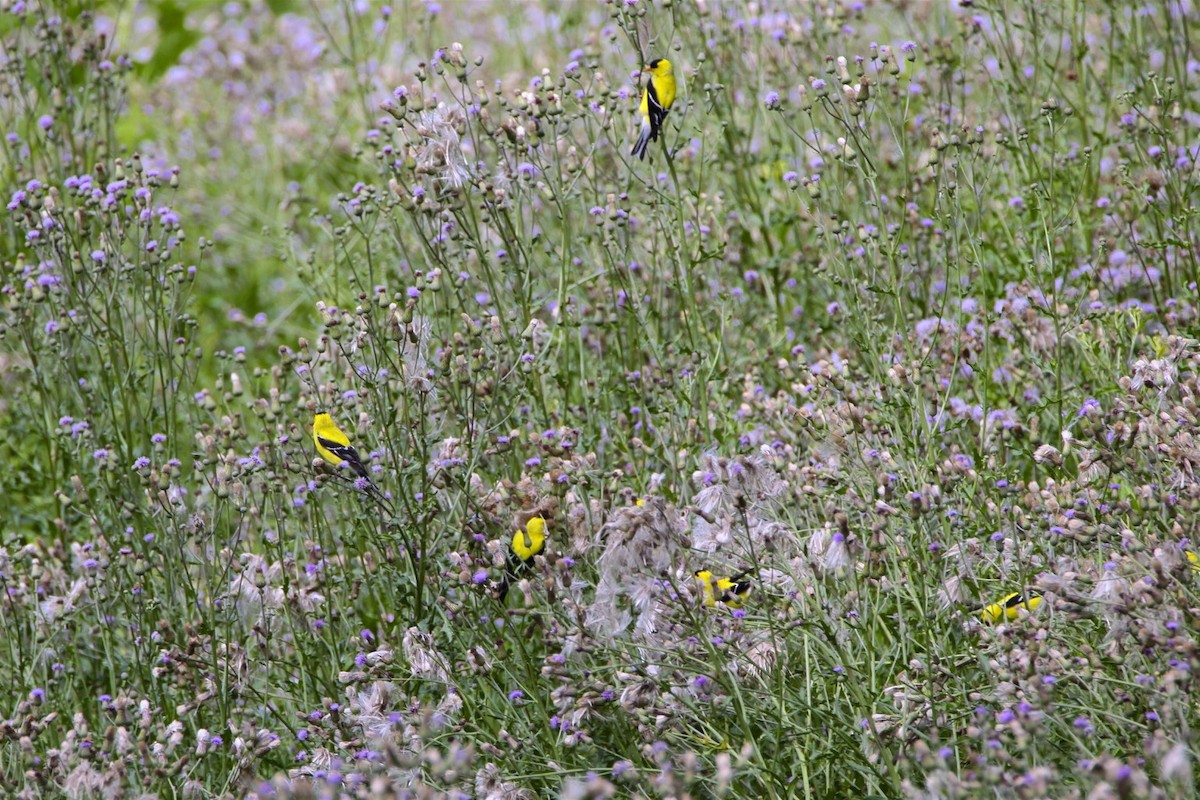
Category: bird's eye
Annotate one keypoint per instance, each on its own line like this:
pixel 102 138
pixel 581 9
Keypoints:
pixel 654 63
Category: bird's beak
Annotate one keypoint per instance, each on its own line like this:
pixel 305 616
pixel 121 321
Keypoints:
pixel 646 69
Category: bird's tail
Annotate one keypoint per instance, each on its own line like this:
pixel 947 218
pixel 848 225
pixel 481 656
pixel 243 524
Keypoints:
pixel 514 567
pixel 647 136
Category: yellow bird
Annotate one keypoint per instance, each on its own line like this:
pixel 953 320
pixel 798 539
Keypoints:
pixel 657 99
pixel 334 446
pixel 527 542
pixel 1193 559
pixel 1009 608
pixel 730 591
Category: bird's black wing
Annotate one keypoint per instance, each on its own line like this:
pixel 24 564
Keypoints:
pixel 514 568
pixel 516 565
pixel 346 453
pixel 741 584
pixel 1017 600
pixel 658 114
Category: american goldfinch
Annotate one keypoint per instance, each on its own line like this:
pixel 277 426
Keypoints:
pixel 334 446
pixel 730 591
pixel 1010 607
pixel 1193 559
pixel 527 542
pixel 657 98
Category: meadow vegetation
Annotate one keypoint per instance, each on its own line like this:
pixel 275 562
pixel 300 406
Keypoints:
pixel 900 317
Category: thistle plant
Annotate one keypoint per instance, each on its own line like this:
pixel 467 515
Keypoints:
pixel 895 321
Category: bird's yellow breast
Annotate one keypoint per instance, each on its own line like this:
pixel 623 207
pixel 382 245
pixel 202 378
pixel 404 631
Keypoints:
pixel 705 578
pixel 529 541
pixel 664 87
